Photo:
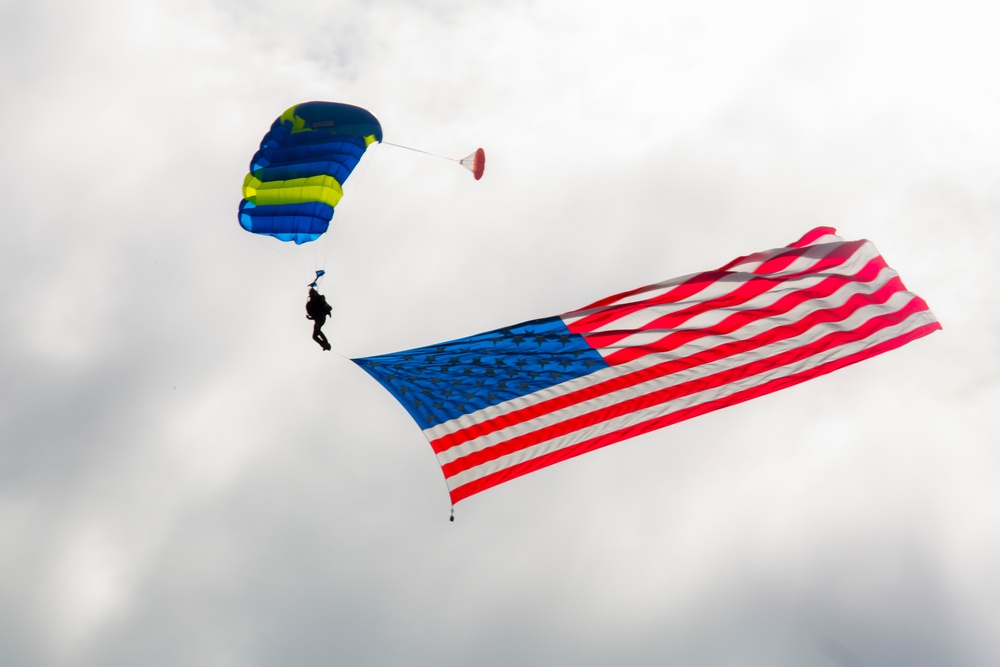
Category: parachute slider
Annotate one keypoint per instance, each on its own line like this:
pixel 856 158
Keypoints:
pixel 319 274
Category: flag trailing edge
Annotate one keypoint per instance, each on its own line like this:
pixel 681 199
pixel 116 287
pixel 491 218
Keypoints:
pixel 503 403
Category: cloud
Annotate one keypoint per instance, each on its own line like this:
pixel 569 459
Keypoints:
pixel 188 480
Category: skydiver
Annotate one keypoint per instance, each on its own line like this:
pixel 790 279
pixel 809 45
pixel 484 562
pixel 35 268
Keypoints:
pixel 317 310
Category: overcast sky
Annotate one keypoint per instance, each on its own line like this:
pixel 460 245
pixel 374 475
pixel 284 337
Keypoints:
pixel 186 480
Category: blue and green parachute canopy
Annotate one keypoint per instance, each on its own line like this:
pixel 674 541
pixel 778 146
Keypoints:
pixel 296 178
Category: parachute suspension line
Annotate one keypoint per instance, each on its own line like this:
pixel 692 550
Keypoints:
pixel 474 162
pixel 417 150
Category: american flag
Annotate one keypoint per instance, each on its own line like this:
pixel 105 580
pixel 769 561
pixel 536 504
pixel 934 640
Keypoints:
pixel 504 403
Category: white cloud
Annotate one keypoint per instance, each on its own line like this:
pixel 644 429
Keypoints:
pixel 187 479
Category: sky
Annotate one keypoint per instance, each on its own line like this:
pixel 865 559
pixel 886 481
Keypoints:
pixel 187 479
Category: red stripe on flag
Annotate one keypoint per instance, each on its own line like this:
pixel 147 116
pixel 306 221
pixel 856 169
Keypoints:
pixel 666 394
pixel 752 289
pixel 523 468
pixel 614 311
pixel 668 367
pixel 808 239
pixel 836 256
pixel 814 235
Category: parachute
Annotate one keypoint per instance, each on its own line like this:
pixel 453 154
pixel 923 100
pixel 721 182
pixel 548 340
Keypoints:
pixel 296 178
pixel 475 162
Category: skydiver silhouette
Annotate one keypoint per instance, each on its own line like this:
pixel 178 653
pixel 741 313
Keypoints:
pixel 317 310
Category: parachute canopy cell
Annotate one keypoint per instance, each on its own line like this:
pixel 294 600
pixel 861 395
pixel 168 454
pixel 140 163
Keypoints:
pixel 296 178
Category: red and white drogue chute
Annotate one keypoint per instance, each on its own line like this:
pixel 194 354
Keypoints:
pixel 474 162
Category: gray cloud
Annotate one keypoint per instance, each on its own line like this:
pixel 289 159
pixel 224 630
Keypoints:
pixel 186 479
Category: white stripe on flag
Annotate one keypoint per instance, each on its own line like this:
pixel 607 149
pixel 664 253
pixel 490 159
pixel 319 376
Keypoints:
pixel 655 384
pixel 658 411
pixel 707 341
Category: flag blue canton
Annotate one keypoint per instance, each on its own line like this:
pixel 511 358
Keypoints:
pixel 440 382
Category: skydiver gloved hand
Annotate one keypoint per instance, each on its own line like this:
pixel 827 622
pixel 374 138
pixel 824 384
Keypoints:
pixel 317 310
